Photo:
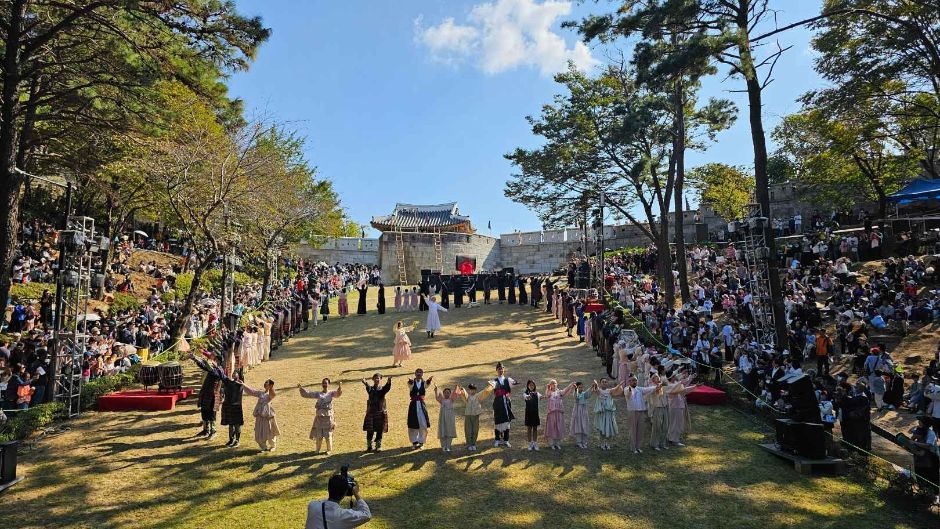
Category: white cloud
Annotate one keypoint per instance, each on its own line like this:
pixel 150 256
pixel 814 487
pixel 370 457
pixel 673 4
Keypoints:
pixel 504 35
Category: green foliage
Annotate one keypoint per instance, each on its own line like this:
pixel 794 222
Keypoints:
pixel 95 388
pixel 29 291
pixel 23 423
pixel 211 282
pixel 124 302
pixel 724 188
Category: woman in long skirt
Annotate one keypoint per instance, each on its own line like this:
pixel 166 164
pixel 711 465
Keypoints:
pixel 580 427
pixel 315 307
pixel 343 304
pixel 659 415
pixel 402 349
pixel 679 420
pixel 363 288
pixel 323 422
pixel 397 299
pixel 555 420
pixel 266 431
pixel 380 304
pixel 446 420
pixel 232 415
pixel 434 319
pixel 325 305
pixel 605 411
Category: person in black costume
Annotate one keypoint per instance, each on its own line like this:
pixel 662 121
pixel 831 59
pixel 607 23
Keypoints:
pixel 208 395
pixel 457 287
pixel 232 415
pixel 376 420
pixel 511 283
pixel 425 291
pixel 501 287
pixel 536 291
pixel 502 406
pixel 523 295
pixel 472 289
pixel 445 295
pixel 381 302
pixel 325 306
pixel 362 298
pixel 487 287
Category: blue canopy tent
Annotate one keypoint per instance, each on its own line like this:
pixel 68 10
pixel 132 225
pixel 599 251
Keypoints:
pixel 919 189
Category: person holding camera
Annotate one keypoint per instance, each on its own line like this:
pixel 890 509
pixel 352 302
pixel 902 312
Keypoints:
pixel 329 514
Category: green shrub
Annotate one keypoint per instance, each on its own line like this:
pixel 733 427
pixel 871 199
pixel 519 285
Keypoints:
pixel 93 389
pixel 124 302
pixel 23 423
pixel 31 291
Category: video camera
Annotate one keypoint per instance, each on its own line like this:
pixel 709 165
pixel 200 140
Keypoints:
pixel 350 481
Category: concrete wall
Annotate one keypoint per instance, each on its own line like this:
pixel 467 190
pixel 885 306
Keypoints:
pixel 419 253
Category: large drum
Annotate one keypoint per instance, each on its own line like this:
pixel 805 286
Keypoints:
pixel 171 375
pixel 149 374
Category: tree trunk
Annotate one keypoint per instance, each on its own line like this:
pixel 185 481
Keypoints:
pixel 179 330
pixel 664 262
pixel 10 182
pixel 679 153
pixel 762 185
pixel 266 280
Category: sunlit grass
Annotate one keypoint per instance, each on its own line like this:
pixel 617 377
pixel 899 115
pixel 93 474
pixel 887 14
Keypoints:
pixel 144 469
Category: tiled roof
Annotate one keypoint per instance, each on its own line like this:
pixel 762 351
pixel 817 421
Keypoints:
pixel 412 216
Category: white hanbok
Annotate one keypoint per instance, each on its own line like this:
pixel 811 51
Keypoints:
pixel 434 319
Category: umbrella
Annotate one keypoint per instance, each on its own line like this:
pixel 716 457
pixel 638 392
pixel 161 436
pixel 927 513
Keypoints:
pixel 141 233
pixel 91 316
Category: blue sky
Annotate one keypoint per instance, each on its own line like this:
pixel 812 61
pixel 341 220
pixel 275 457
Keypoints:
pixel 417 101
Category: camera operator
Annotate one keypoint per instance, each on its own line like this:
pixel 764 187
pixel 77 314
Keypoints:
pixel 329 514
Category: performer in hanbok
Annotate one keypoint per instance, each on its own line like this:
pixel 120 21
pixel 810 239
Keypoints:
pixel 380 304
pixel 402 349
pixel 501 287
pixel 363 288
pixel 502 406
pixel 472 411
pixel 580 418
pixel 232 414
pixel 413 299
pixel 418 419
pixel 532 421
pixel 434 319
pixel 376 419
pixel 446 420
pixel 325 305
pixel 209 397
pixel 398 304
pixel 555 420
pixel 343 303
pixel 605 411
pixel 266 430
pixel 637 412
pixel 323 422
pixel 315 308
pixel 659 415
pixel 679 420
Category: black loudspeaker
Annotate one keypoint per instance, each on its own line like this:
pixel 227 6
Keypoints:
pixel 8 461
pixel 803 399
pixel 425 272
pixel 810 440
pixel 509 270
pixel 785 434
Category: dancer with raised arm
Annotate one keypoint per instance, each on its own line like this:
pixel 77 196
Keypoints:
pixel 472 411
pixel 446 420
pixel 555 420
pixel 376 420
pixel 418 419
pixel 605 411
pixel 324 422
pixel 266 431
pixel 402 349
pixel 502 406
pixel 434 319
pixel 580 417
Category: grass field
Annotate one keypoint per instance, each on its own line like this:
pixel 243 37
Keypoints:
pixel 145 470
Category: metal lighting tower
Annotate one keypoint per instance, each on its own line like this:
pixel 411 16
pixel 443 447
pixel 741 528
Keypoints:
pixel 599 276
pixel 757 255
pixel 74 283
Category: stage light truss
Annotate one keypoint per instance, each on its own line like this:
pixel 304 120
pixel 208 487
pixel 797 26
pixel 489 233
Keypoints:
pixel 757 262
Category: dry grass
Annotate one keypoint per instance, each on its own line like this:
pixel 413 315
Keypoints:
pixel 144 470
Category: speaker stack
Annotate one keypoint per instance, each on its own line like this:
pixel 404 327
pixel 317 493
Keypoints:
pixel 801 433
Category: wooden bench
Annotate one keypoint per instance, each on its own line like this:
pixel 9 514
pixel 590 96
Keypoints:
pixel 803 465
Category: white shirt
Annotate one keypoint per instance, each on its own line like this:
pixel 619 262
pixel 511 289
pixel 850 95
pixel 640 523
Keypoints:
pixel 337 517
pixel 634 396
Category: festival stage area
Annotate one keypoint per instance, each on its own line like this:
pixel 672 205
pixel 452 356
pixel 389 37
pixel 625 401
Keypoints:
pixel 144 469
pixel 142 400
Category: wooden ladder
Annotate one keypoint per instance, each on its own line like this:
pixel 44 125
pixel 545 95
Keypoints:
pixel 438 251
pixel 400 253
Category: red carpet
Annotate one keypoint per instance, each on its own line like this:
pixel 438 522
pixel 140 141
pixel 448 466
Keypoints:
pixel 594 307
pixel 707 396
pixel 142 400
